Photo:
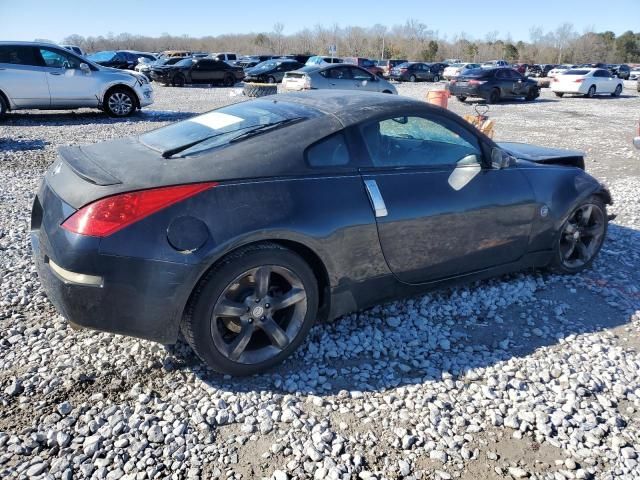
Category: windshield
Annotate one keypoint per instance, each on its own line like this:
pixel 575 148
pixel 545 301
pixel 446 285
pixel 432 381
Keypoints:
pixel 403 65
pixel 267 65
pixel 577 72
pixel 102 56
pixel 457 65
pixel 219 127
pixel 186 62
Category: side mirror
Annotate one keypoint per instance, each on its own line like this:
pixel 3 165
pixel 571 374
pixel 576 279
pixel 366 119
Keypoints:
pixel 501 159
pixel 85 68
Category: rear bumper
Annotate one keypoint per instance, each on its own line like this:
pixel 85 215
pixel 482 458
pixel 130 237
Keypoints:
pixel 137 297
pixel 467 91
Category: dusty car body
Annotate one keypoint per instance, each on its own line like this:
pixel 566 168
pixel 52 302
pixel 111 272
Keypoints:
pixel 243 226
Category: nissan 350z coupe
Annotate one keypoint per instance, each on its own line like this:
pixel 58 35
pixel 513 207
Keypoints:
pixel 243 226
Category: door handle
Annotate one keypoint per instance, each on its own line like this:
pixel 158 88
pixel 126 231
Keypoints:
pixel 55 73
pixel 377 202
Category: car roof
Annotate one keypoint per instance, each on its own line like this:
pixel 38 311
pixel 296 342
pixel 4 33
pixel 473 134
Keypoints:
pixel 30 44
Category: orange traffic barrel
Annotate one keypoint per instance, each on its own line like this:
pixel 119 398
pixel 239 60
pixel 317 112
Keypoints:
pixel 439 97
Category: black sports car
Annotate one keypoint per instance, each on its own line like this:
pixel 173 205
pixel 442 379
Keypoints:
pixel 243 226
pixel 494 85
pixel 197 70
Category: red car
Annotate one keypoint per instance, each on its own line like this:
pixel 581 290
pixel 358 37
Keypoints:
pixel 520 67
pixel 365 63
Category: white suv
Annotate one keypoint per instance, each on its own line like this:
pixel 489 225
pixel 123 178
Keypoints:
pixel 49 77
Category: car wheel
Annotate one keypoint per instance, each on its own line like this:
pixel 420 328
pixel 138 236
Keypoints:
pixel 581 237
pixel 252 310
pixel 3 106
pixel 592 91
pixel 494 96
pixel 179 81
pixel 461 98
pixel 119 103
pixel 559 94
pixel 271 79
pixel 228 81
pixel 412 78
pixel 617 91
pixel 532 95
pixel 436 78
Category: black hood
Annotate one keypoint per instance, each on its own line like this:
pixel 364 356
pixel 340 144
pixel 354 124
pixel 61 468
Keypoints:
pixel 544 155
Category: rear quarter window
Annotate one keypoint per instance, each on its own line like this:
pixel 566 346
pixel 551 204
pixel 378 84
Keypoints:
pixel 329 152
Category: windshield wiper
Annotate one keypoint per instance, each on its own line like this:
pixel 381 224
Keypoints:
pixel 265 128
pixel 256 128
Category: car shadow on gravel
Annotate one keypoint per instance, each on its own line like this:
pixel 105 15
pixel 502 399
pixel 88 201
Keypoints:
pixel 367 352
pixel 58 119
pixel 9 144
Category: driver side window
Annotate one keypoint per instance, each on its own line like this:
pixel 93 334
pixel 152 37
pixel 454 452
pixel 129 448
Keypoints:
pixel 57 59
pixel 420 142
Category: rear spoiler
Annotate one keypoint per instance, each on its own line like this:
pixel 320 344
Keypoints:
pixel 86 168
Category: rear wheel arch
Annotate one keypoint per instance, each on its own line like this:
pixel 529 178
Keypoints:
pixel 5 99
pixel 306 253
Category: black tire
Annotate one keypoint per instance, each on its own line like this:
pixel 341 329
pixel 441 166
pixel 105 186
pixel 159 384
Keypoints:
pixel 494 96
pixel 3 106
pixel 387 91
pixel 119 102
pixel 591 92
pixel 228 81
pixel 179 80
pixel 461 98
pixel 559 263
pixel 198 327
pixel 617 91
pixel 271 79
pixel 254 90
pixel 436 78
pixel 532 95
pixel 412 78
pixel 559 94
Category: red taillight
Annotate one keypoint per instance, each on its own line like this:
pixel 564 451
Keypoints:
pixel 108 215
pixel 477 82
pixel 579 80
pixel 404 69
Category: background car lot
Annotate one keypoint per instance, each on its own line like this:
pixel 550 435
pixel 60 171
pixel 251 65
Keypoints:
pixel 420 385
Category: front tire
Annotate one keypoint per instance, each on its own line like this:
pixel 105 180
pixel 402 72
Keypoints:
pixel 559 94
pixel 617 91
pixel 228 81
pixel 3 106
pixel 461 98
pixel 436 79
pixel 532 95
pixel 581 237
pixel 412 78
pixel 120 102
pixel 179 81
pixel 252 310
pixel 271 79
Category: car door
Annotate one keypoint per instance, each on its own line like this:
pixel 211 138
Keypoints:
pixel 202 71
pixel 22 77
pixel 441 209
pixel 363 80
pixel 504 82
pixel 340 78
pixel 608 82
pixel 520 85
pixel 69 85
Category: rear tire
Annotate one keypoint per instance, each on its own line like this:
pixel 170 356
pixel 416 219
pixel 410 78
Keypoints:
pixel 461 98
pixel 229 305
pixel 228 81
pixel 617 91
pixel 271 79
pixel 559 94
pixel 436 78
pixel 591 92
pixel 494 96
pixel 119 102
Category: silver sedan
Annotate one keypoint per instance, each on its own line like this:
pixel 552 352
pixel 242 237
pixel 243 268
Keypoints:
pixel 337 76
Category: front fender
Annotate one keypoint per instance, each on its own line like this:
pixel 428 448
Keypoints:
pixel 558 191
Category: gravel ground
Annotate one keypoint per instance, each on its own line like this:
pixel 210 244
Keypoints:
pixel 529 375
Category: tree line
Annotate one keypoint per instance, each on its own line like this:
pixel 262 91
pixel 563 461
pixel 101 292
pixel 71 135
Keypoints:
pixel 412 40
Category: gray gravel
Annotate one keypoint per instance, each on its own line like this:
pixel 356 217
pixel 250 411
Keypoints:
pixel 525 376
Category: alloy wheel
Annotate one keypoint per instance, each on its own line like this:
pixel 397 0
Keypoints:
pixel 259 314
pixel 120 103
pixel 582 235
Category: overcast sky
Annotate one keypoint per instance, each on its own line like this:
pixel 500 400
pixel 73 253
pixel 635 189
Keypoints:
pixel 56 19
